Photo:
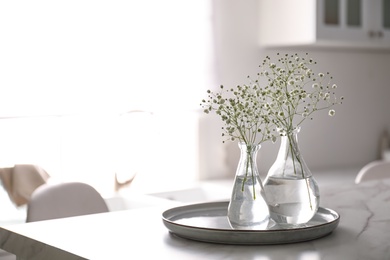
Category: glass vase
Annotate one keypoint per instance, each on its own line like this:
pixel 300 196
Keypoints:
pixel 292 192
pixel 248 208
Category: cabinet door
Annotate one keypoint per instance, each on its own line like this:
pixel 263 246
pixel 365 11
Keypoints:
pixel 379 30
pixel 341 20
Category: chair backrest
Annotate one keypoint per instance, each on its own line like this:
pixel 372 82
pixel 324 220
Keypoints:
pixel 61 200
pixel 373 171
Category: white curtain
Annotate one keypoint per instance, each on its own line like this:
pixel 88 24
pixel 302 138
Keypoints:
pixel 70 70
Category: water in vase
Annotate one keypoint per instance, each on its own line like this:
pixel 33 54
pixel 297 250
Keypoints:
pixel 246 211
pixel 293 201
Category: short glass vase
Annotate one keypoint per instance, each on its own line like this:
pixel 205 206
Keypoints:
pixel 247 207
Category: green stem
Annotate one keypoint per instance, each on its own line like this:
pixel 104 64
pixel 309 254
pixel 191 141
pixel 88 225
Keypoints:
pixel 294 156
pixel 246 170
pixel 249 163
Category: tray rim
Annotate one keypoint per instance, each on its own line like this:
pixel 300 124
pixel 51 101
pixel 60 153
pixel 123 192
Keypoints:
pixel 171 225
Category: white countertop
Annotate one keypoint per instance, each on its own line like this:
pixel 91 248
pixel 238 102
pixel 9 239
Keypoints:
pixel 363 233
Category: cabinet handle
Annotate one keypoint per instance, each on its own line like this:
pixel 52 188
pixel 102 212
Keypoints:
pixel 375 34
pixel 371 34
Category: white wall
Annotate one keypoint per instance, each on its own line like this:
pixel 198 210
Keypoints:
pixel 348 140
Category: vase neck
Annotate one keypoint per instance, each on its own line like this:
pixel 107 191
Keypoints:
pixel 289 160
pixel 294 130
pixel 249 148
pixel 290 140
pixel 247 164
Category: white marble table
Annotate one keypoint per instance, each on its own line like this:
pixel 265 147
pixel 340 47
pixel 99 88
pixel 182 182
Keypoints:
pixel 363 233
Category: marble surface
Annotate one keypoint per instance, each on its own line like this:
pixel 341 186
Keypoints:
pixel 363 233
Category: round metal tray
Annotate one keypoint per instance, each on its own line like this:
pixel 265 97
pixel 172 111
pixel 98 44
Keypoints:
pixel 208 222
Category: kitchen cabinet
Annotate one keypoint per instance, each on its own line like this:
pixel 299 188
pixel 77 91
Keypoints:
pixel 337 23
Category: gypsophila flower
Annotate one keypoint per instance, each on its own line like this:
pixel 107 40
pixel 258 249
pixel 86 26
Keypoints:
pixel 244 113
pixel 327 95
pixel 285 89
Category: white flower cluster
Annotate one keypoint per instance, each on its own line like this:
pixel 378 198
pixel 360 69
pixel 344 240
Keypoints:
pixel 291 93
pixel 241 110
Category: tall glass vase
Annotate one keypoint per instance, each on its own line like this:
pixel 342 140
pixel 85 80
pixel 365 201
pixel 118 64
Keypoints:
pixel 292 192
pixel 248 208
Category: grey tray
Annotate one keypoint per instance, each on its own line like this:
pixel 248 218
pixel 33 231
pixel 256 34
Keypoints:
pixel 208 222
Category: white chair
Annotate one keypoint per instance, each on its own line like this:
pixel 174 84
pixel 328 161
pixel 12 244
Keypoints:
pixel 60 200
pixel 4 255
pixel 373 171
